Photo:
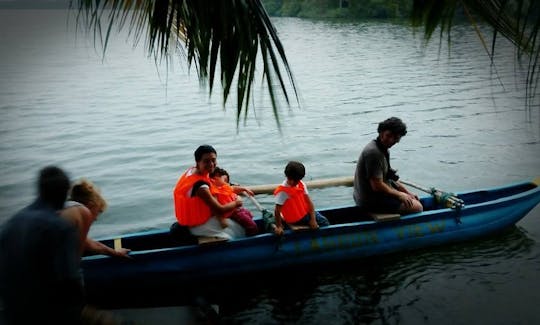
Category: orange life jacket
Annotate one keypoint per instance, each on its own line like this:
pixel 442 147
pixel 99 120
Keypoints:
pixel 295 207
pixel 190 210
pixel 224 194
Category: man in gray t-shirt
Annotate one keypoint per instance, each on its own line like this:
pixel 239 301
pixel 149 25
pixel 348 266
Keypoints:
pixel 376 186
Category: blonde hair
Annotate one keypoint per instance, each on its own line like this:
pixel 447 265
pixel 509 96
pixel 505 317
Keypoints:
pixel 83 191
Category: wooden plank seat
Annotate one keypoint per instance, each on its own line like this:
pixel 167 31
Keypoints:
pixel 380 217
pixel 294 227
pixel 208 240
pixel 298 227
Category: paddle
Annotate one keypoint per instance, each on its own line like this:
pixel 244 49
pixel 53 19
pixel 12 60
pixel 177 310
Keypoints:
pixel 268 217
pixel 448 200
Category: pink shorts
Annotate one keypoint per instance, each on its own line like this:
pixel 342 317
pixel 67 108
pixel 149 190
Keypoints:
pixel 244 217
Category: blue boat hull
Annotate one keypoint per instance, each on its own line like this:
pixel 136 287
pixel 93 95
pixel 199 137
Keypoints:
pixel 158 264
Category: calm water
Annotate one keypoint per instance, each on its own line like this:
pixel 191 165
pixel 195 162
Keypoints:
pixel 131 126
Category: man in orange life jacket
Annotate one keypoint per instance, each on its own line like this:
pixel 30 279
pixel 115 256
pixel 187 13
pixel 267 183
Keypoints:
pixel 293 203
pixel 194 204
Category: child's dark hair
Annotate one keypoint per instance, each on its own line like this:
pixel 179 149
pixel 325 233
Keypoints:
pixel 295 170
pixel 219 172
pixel 394 125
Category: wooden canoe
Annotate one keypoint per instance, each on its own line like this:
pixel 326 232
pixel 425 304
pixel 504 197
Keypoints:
pixel 162 262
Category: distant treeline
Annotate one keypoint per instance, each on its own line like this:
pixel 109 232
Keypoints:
pixel 34 4
pixel 351 9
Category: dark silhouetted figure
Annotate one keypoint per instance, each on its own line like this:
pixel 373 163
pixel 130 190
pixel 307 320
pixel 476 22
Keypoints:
pixel 40 281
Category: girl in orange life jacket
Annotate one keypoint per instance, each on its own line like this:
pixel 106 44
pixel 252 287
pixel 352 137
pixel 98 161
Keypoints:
pixel 194 204
pixel 293 202
pixel 225 193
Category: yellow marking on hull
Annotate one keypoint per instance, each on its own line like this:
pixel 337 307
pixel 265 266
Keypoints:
pixel 117 243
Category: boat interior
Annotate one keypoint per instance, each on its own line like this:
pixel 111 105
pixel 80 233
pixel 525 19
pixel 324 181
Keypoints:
pixel 180 236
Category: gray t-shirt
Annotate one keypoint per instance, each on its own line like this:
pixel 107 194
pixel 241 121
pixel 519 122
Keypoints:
pixel 371 163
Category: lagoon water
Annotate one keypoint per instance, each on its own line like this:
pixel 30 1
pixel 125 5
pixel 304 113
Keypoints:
pixel 131 125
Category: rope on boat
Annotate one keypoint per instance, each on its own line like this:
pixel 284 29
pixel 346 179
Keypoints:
pixel 447 199
pixel 267 216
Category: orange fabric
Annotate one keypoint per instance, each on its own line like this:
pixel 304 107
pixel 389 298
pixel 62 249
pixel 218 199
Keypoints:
pixel 190 210
pixel 224 194
pixel 296 207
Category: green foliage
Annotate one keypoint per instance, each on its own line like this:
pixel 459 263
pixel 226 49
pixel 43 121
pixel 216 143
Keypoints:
pixel 273 7
pixel 290 8
pixel 349 9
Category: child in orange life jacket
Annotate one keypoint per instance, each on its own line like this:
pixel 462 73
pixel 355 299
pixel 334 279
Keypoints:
pixel 293 203
pixel 226 193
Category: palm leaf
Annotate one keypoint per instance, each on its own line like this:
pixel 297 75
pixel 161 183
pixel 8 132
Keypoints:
pixel 516 20
pixel 229 34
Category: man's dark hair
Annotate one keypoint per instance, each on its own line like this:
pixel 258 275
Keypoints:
pixel 205 148
pixel 394 125
pixel 295 170
pixel 53 186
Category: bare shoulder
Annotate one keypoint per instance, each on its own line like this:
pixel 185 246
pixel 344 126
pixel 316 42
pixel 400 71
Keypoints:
pixel 77 214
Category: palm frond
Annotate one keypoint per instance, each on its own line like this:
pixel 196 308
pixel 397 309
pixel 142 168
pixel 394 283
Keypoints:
pixel 229 34
pixel 516 20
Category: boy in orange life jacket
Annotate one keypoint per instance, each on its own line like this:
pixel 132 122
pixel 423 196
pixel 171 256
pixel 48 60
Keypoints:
pixel 293 202
pixel 226 193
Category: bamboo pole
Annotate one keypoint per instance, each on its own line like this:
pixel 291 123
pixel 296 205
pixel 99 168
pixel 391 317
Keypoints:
pixel 320 183
pixel 453 201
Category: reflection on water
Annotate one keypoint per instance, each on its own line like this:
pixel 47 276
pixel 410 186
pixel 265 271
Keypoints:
pixel 399 288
